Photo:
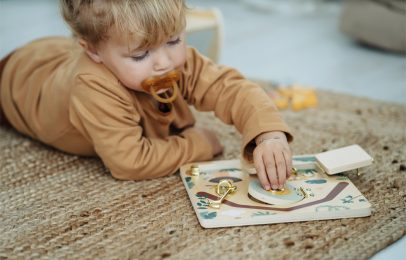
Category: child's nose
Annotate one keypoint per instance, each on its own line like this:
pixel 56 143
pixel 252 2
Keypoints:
pixel 162 60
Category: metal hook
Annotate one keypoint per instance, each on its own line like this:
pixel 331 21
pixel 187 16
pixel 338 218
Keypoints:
pixel 223 188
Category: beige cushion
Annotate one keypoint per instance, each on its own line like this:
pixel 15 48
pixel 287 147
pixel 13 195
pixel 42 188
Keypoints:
pixel 380 23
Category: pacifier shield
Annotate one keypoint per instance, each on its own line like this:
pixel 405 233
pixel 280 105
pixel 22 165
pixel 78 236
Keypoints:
pixel 169 80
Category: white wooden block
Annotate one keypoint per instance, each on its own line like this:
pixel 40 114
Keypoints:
pixel 343 159
pixel 204 31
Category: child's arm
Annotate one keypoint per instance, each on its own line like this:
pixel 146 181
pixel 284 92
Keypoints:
pixel 104 113
pixel 237 101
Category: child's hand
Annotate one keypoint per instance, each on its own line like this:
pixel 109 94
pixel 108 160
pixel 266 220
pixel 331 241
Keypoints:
pixel 272 160
pixel 211 137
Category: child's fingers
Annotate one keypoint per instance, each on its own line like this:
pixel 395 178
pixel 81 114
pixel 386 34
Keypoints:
pixel 270 167
pixel 261 173
pixel 288 161
pixel 281 169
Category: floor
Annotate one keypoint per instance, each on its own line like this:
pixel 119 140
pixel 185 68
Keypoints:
pixel 283 44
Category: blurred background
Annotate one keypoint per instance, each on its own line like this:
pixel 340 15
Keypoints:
pixel 283 41
pixel 355 46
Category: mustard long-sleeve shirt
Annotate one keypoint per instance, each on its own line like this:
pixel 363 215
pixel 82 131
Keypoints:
pixel 53 92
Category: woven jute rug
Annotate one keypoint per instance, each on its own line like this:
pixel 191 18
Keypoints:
pixel 55 205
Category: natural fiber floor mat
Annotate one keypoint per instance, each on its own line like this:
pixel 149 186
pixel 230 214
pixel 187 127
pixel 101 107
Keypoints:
pixel 55 205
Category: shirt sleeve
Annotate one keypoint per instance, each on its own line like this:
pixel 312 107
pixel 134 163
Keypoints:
pixel 234 99
pixel 108 119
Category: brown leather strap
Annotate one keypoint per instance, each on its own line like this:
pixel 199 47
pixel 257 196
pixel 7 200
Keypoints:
pixel 3 118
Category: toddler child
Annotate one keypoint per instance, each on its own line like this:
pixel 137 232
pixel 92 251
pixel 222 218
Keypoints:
pixel 121 90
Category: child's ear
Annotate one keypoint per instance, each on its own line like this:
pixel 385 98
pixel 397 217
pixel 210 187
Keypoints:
pixel 90 50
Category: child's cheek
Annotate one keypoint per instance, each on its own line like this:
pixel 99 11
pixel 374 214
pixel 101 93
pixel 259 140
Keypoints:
pixel 181 57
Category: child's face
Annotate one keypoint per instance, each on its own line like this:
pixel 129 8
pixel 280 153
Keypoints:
pixel 132 67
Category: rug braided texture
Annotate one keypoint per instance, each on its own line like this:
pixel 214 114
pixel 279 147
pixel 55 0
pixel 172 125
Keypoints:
pixel 55 205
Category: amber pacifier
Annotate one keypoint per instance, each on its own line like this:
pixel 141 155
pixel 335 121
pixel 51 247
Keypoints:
pixel 167 81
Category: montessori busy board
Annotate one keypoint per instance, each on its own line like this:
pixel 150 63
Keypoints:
pixel 226 193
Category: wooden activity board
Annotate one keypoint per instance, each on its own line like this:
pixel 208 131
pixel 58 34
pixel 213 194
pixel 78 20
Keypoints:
pixel 324 196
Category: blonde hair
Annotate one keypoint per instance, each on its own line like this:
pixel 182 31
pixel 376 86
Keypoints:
pixel 149 22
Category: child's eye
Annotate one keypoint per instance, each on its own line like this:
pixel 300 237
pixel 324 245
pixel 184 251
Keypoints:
pixel 140 57
pixel 174 42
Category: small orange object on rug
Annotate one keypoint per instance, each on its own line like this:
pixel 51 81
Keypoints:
pixel 294 96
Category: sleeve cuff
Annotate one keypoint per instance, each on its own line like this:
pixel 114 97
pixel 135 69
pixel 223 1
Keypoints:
pixel 255 127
